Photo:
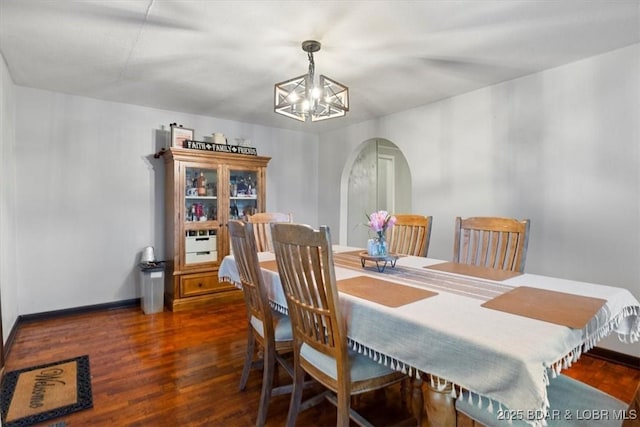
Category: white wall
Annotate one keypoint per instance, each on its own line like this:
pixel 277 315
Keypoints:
pixel 8 272
pixel 89 193
pixel 560 147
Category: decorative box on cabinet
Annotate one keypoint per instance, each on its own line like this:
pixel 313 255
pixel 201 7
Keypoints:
pixel 203 191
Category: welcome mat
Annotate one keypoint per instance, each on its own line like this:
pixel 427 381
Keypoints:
pixel 39 393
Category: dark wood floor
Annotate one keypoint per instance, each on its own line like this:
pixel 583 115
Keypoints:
pixel 183 369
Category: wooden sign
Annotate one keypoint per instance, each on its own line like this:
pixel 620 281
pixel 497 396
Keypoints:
pixel 210 146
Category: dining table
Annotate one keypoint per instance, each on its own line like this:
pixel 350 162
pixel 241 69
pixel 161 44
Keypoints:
pixel 499 334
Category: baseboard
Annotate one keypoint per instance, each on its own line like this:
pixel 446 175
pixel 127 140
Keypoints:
pixel 615 357
pixel 61 313
pixel 78 310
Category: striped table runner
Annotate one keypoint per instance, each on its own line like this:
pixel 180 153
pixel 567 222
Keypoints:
pixel 472 287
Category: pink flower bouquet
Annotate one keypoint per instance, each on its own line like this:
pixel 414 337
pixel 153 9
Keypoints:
pixel 380 221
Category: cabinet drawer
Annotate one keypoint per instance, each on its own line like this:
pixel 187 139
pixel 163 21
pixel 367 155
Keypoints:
pixel 196 284
pixel 196 257
pixel 200 243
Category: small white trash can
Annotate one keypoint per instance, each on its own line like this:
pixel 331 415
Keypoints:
pixel 152 287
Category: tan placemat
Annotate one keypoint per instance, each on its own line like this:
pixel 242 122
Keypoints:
pixel 354 253
pixel 269 265
pixel 382 291
pixel 571 310
pixel 475 271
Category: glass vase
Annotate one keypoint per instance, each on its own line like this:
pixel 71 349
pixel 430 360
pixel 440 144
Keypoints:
pixel 381 244
pixel 377 247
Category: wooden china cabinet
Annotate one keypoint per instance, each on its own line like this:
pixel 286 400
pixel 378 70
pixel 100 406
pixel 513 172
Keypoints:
pixel 203 191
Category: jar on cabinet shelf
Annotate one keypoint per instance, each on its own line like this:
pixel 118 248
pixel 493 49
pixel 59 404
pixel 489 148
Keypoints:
pixel 202 185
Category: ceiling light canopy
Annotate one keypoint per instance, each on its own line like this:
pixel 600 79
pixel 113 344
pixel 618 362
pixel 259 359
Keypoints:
pixel 302 99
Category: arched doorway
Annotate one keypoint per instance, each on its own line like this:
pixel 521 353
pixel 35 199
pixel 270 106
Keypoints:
pixel 378 177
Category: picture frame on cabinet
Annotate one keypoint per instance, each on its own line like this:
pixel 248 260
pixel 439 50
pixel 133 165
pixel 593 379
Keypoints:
pixel 179 135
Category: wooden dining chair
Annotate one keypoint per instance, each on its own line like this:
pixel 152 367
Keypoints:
pixel 262 231
pixel 572 403
pixel 410 235
pixel 305 263
pixel 492 242
pixel 270 330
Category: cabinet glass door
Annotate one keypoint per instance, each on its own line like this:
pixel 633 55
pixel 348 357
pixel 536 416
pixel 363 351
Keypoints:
pixel 200 215
pixel 243 194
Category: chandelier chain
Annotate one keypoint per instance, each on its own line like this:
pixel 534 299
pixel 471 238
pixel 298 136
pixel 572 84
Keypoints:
pixel 312 66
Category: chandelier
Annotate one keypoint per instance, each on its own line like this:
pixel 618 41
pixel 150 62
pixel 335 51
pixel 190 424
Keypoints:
pixel 301 99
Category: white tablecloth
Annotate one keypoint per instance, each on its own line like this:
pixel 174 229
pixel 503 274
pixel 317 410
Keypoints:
pixel 497 355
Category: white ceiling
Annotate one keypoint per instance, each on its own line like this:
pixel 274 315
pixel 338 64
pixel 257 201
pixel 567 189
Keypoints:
pixel 222 58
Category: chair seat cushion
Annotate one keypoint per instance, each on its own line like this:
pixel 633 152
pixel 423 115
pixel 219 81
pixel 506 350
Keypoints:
pixel 362 367
pixel 572 403
pixel 281 326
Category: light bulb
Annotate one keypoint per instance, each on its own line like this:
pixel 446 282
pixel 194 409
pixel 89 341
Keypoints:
pixel 315 93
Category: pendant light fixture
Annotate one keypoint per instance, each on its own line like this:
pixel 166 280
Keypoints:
pixel 303 99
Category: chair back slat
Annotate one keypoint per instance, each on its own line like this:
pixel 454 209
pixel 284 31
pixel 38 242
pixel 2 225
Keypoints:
pixel 410 235
pixel 261 223
pixel 493 242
